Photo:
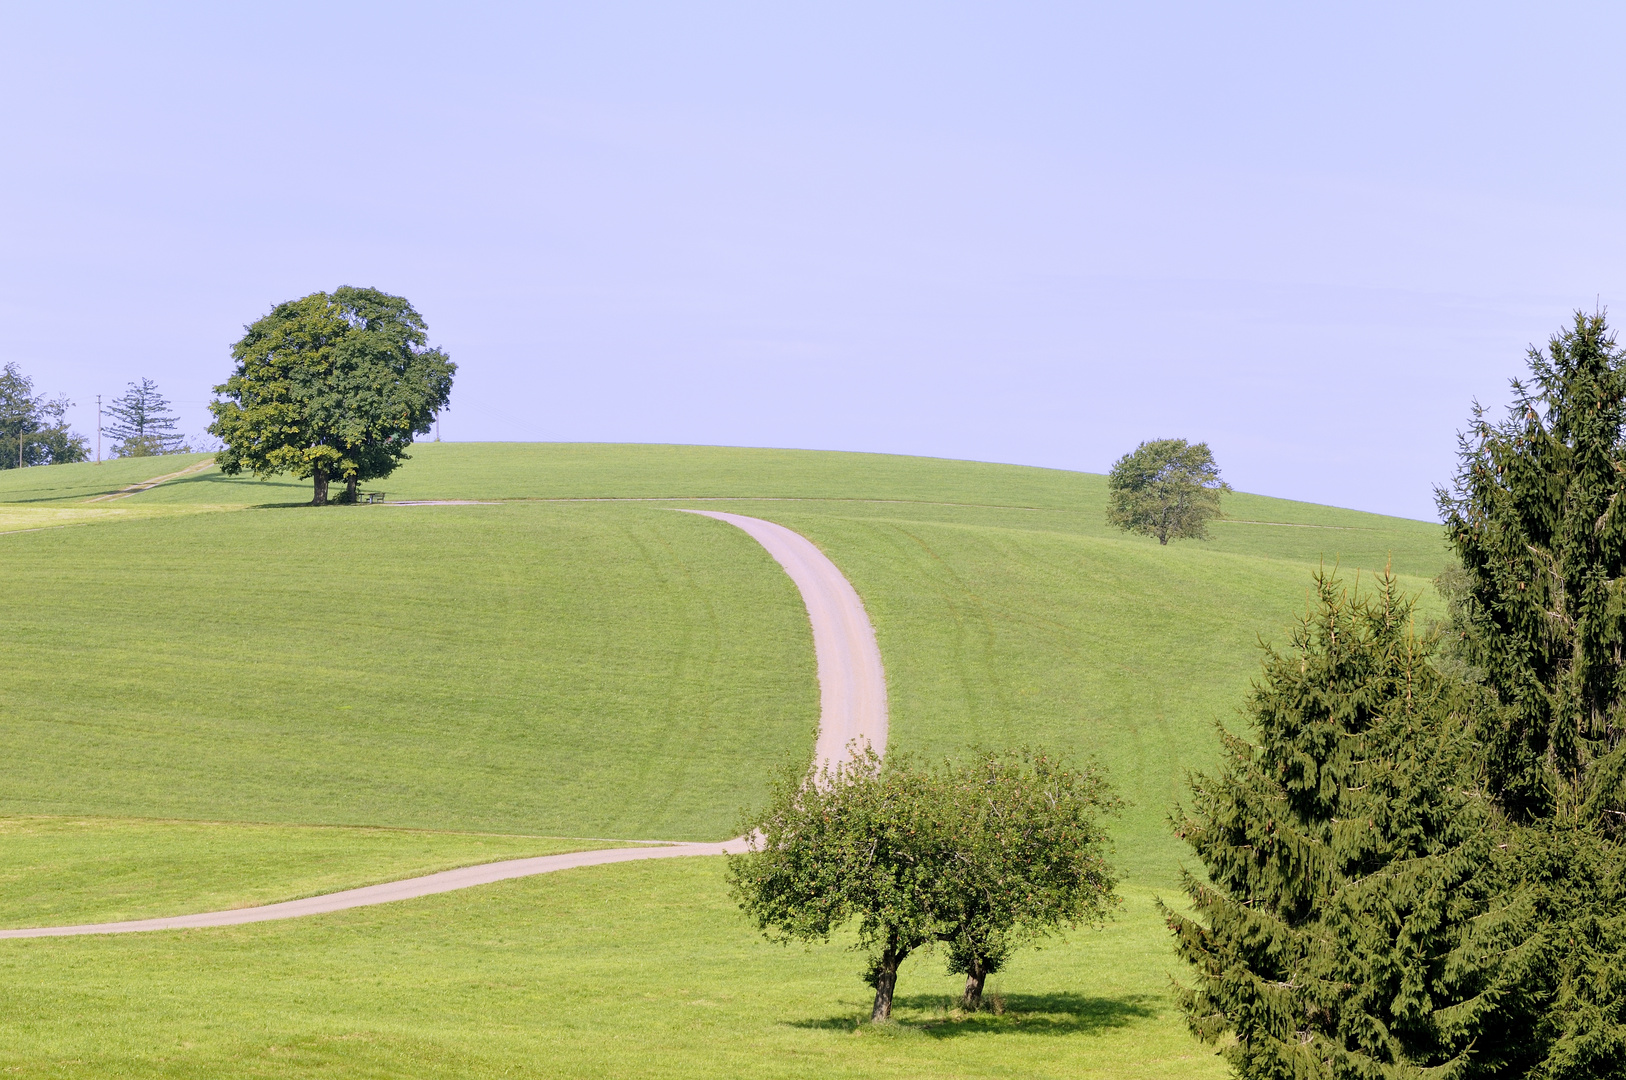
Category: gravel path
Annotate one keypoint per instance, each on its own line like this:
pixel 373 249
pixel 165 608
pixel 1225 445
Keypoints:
pixel 852 706
pixel 852 683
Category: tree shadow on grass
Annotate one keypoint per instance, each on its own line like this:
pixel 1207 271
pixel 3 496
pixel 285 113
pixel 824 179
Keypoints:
pixel 1021 1014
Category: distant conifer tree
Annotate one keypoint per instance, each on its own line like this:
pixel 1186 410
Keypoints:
pixel 142 424
pixel 1347 926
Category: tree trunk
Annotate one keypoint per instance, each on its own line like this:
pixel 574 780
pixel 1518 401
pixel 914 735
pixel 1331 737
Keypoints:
pixel 976 975
pixel 350 489
pixel 886 981
pixel 319 479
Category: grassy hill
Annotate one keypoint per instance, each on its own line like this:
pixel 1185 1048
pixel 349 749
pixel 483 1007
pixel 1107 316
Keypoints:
pixel 557 666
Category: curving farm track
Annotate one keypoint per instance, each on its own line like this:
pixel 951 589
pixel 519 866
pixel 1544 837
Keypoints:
pixel 852 708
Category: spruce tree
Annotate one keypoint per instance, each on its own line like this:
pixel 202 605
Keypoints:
pixel 1346 926
pixel 1537 517
pixel 142 424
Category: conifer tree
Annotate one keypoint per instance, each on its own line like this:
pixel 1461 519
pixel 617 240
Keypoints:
pixel 142 424
pixel 1347 927
pixel 1539 523
pixel 1537 517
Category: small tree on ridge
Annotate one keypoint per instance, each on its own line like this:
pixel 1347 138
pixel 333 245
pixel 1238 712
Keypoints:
pixel 1166 488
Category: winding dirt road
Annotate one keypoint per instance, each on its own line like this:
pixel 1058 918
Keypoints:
pixel 852 707
pixel 852 683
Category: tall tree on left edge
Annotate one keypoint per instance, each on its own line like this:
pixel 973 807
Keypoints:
pixel 330 387
pixel 34 429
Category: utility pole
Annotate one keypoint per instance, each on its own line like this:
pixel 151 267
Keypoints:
pixel 437 427
pixel 98 429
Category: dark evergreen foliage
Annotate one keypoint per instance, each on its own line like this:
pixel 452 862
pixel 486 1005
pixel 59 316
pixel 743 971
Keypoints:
pixel 1537 518
pixel 1575 1008
pixel 1538 628
pixel 1347 926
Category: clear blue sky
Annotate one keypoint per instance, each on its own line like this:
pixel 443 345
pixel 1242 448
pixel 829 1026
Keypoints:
pixel 1309 234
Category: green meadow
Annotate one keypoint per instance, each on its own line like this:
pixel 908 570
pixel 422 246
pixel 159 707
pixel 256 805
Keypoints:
pixel 214 696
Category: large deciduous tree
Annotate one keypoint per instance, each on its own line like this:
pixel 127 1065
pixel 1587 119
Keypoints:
pixel 330 387
pixel 1350 923
pixel 34 429
pixel 1166 488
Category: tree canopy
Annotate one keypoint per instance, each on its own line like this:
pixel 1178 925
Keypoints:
pixel 142 424
pixel 332 386
pixel 34 429
pixel 1028 857
pixel 979 857
pixel 860 842
pixel 1537 517
pixel 1165 488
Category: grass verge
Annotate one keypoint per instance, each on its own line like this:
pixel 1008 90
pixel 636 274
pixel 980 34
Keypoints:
pixel 633 970
pixel 61 871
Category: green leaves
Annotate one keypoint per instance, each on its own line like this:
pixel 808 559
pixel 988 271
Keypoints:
pixel 1029 853
pixel 34 430
pixel 982 855
pixel 1167 488
pixel 330 387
